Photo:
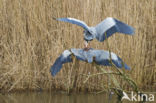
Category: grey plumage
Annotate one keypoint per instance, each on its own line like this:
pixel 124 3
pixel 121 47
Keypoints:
pixel 109 26
pixel 100 57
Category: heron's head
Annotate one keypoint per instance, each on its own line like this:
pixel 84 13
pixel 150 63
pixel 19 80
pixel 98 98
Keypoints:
pixel 89 35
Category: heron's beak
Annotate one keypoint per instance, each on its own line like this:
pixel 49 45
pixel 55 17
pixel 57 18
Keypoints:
pixel 86 44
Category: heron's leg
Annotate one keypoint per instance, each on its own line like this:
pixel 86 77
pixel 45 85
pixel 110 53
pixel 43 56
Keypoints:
pixel 86 48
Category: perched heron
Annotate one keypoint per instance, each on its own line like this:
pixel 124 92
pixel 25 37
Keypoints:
pixel 109 26
pixel 100 57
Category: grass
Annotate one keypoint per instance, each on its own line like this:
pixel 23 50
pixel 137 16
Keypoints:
pixel 30 41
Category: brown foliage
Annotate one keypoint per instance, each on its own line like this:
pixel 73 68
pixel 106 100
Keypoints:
pixel 30 41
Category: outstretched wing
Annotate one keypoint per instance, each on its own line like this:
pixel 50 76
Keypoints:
pixel 65 57
pixel 111 26
pixel 74 21
pixel 102 58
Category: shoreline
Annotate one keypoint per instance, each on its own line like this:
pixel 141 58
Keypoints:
pixel 73 91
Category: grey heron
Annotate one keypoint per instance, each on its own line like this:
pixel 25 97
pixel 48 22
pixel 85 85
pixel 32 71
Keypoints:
pixel 109 26
pixel 100 57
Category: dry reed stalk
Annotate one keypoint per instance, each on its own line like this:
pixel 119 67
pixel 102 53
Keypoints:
pixel 30 41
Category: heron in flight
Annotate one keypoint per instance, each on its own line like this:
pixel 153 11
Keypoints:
pixel 100 57
pixel 109 26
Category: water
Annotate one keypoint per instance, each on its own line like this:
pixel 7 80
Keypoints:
pixel 47 97
pixel 57 97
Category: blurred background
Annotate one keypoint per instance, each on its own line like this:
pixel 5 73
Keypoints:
pixel 30 42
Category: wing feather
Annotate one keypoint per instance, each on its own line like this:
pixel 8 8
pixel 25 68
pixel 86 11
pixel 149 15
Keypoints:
pixel 111 26
pixel 65 57
pixel 100 57
pixel 74 21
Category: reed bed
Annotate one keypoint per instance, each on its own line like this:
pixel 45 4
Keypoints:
pixel 30 41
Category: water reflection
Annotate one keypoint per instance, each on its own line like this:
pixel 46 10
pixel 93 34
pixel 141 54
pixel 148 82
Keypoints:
pixel 47 97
